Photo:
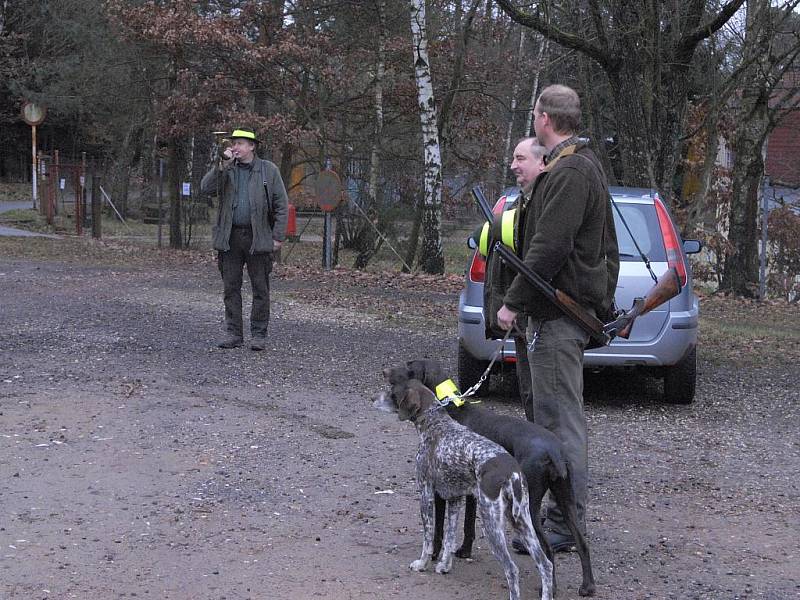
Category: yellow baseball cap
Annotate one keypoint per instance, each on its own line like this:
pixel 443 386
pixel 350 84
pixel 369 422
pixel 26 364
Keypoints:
pixel 246 134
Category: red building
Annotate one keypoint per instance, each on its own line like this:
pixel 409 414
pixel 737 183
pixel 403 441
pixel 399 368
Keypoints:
pixel 783 151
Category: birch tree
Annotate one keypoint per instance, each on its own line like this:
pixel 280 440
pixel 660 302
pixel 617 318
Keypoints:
pixel 369 242
pixel 431 258
pixel 535 86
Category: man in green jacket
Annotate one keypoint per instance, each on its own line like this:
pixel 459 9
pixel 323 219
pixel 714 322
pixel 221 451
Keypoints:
pixel 250 227
pixel 567 236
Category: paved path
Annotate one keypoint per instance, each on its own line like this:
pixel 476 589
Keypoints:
pixel 13 231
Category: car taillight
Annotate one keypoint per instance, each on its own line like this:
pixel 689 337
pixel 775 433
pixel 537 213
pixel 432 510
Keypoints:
pixel 499 205
pixel 671 243
pixel 477 270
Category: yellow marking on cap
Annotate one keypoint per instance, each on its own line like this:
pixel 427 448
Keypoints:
pixel 241 133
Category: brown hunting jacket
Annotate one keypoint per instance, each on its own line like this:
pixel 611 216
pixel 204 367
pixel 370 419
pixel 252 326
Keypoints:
pixel 568 237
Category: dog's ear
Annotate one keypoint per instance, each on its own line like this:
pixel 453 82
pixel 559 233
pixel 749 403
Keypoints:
pixel 396 375
pixel 409 405
pixel 428 371
pixel 416 369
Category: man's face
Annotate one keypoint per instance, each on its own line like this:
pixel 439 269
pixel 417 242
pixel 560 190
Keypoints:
pixel 525 166
pixel 243 149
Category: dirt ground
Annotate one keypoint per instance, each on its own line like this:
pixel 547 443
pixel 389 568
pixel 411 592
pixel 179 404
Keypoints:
pixel 139 461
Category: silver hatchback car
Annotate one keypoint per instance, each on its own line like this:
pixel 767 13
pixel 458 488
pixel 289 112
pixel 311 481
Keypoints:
pixel 662 343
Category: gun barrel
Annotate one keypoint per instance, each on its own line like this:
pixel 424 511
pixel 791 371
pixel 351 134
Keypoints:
pixel 667 288
pixel 483 203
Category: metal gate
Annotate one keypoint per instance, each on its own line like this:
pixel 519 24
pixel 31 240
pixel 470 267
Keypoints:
pixel 64 189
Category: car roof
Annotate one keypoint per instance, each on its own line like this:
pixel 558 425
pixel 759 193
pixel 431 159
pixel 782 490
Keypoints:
pixel 633 195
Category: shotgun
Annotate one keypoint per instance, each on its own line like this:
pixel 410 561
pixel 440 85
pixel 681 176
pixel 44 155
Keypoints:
pixel 665 289
pixel 585 320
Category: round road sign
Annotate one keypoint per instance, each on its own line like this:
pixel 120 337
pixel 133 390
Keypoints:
pixel 329 190
pixel 33 113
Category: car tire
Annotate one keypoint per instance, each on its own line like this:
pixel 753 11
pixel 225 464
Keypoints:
pixel 470 370
pixel 680 380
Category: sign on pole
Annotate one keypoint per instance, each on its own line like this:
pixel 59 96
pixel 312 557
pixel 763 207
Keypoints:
pixel 329 194
pixel 33 114
pixel 329 190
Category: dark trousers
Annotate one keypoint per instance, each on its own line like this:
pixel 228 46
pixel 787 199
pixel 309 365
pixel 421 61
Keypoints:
pixel 259 266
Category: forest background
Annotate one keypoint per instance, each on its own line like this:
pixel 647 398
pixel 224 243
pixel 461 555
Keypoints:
pixel 413 102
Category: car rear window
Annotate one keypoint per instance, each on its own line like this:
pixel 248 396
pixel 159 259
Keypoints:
pixel 643 224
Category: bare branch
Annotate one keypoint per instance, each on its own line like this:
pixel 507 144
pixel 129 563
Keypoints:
pixel 704 30
pixel 566 39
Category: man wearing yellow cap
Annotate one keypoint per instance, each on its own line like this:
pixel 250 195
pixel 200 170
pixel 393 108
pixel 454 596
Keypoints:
pixel 250 227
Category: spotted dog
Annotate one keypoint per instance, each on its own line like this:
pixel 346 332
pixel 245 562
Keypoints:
pixel 538 451
pixel 452 462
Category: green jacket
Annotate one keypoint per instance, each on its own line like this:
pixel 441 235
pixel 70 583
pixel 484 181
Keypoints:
pixel 268 218
pixel 568 237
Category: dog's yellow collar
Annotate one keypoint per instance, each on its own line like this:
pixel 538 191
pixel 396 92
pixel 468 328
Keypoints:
pixel 447 391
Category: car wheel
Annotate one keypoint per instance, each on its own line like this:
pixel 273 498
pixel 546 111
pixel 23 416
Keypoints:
pixel 680 380
pixel 470 370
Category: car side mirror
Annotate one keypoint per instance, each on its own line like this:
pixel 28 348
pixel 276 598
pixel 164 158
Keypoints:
pixel 692 246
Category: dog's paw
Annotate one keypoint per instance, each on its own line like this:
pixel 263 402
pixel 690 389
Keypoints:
pixel 587 590
pixel 442 568
pixel 418 565
pixel 464 552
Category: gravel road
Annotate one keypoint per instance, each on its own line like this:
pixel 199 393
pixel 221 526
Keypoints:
pixel 139 461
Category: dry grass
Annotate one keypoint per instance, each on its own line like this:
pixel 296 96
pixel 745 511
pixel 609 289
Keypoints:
pixel 732 331
pixel 748 332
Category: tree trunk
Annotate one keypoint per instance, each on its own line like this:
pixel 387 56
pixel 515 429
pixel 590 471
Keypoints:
pixel 444 117
pixel 597 134
pixel 413 238
pixel 697 206
pixel 502 175
pixel 543 43
pixel 431 256
pixel 174 169
pixel 369 241
pixel 740 275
